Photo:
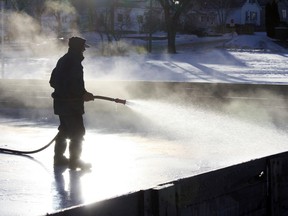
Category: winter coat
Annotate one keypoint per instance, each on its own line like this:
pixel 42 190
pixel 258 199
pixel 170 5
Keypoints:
pixel 67 81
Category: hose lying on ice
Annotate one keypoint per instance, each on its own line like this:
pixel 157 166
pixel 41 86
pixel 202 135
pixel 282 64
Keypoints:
pixel 18 152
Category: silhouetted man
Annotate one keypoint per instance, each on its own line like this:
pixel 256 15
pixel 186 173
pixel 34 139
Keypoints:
pixel 69 96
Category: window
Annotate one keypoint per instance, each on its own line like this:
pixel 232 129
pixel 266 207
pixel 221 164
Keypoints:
pixel 64 19
pixel 140 19
pixel 120 17
pixel 202 19
pixel 284 13
pixel 251 16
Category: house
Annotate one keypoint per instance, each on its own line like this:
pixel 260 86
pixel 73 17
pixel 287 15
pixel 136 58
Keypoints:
pixel 199 19
pixel 283 10
pixel 253 12
pixel 245 12
pixel 220 14
pixel 130 16
pixel 133 16
pixel 121 16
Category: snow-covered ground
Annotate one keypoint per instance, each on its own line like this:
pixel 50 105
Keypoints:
pixel 233 59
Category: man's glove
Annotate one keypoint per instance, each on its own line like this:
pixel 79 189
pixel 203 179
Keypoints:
pixel 88 96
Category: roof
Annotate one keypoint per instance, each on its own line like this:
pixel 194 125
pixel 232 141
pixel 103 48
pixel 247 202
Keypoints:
pixel 240 3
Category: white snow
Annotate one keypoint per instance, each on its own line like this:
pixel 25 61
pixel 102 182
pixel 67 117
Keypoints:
pixel 233 59
pixel 241 59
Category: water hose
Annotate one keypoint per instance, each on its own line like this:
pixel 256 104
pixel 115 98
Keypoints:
pixel 116 100
pixel 18 152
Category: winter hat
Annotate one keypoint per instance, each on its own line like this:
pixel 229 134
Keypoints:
pixel 77 43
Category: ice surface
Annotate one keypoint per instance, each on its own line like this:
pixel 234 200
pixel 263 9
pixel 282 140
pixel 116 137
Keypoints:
pixel 171 141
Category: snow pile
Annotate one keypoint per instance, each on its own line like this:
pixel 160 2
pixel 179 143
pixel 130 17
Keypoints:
pixel 258 41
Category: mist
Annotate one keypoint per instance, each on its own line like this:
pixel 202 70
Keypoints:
pixel 179 98
pixel 205 108
pixel 213 131
pixel 205 131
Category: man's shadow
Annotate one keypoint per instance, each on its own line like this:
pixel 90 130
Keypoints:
pixel 69 191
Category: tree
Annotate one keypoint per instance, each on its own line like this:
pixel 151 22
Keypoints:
pixel 152 21
pixel 35 8
pixel 222 8
pixel 272 18
pixel 173 9
pixel 87 10
pixel 58 8
pixel 24 20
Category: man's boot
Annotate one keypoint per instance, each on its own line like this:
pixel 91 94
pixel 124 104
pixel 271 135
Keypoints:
pixel 75 149
pixel 59 150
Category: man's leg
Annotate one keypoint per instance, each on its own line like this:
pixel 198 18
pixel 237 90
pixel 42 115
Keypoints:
pixel 60 146
pixel 75 149
pixel 76 134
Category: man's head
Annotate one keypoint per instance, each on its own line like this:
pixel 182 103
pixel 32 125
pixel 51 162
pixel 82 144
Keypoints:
pixel 77 43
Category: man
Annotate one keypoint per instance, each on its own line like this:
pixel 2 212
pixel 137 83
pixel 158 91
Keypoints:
pixel 69 96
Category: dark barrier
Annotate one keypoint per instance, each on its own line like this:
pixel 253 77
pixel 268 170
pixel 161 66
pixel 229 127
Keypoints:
pixel 258 187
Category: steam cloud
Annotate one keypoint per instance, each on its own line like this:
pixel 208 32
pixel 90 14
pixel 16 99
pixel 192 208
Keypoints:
pixel 171 119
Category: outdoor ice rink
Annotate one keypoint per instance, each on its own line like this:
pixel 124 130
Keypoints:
pixel 171 132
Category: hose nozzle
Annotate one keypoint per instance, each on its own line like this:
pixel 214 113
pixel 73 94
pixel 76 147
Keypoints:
pixel 117 100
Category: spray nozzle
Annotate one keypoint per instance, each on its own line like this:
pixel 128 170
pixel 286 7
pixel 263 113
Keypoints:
pixel 117 100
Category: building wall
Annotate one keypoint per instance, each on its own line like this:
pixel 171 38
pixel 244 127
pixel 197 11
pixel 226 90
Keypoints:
pixel 250 13
pixel 234 15
pixel 129 19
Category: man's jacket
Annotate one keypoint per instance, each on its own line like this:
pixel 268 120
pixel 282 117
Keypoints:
pixel 67 81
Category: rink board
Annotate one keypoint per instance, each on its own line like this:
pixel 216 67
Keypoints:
pixel 258 187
